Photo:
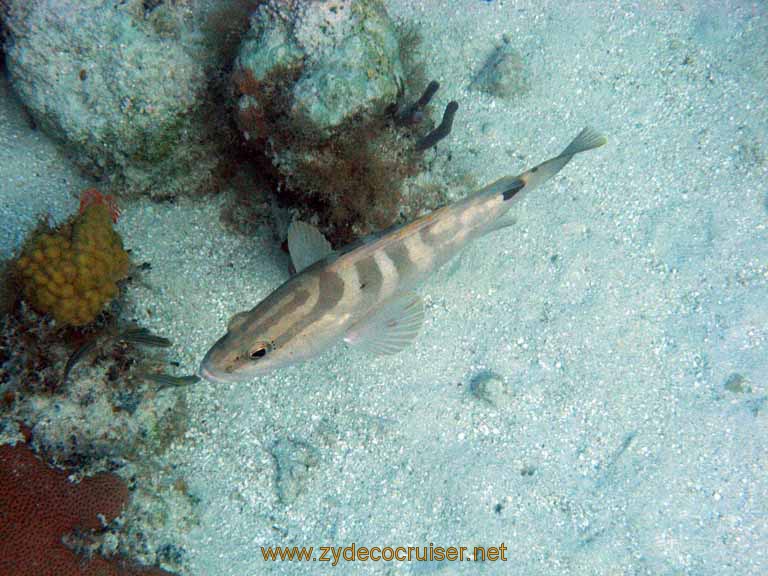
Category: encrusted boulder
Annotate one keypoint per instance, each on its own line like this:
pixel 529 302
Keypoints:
pixel 120 84
pixel 343 57
pixel 326 93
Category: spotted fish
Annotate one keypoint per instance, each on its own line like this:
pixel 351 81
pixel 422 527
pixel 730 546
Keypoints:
pixel 363 294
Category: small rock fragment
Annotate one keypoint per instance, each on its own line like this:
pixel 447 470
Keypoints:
pixel 737 383
pixel 293 461
pixel 490 387
pixel 503 74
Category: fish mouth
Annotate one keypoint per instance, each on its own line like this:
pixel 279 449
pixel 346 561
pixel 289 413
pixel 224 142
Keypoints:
pixel 214 376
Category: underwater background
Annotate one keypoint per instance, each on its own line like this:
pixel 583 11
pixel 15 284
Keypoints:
pixel 589 387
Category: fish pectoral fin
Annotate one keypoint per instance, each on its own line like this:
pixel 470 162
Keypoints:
pixel 306 245
pixel 391 328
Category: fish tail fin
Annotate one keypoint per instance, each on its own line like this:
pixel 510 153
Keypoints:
pixel 587 139
pixel 511 187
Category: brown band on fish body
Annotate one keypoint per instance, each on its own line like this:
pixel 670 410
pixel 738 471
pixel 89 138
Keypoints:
pixel 331 290
pixel 421 253
pixel 370 275
pixel 297 300
pixel 426 235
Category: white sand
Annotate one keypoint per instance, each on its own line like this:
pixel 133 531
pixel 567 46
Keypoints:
pixel 35 177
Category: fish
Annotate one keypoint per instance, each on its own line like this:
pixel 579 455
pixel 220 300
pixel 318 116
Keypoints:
pixel 164 381
pixel 132 335
pixel 363 294
pixel 77 356
pixel 137 335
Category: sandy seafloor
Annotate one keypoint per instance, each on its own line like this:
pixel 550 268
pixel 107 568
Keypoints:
pixel 632 288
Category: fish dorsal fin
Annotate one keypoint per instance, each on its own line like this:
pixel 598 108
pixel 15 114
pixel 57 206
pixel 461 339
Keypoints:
pixel 306 245
pixel 390 329
pixel 237 320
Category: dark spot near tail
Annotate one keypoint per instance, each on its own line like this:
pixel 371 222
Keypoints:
pixel 516 186
pixel 534 169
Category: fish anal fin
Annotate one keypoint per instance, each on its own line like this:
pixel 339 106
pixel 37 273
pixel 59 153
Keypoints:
pixel 503 222
pixel 307 245
pixel 391 328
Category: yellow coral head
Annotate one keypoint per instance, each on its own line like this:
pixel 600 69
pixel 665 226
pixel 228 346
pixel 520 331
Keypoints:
pixel 72 272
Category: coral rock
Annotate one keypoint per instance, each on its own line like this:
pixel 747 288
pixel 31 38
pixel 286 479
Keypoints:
pixel 346 55
pixel 121 84
pixel 314 82
pixel 39 506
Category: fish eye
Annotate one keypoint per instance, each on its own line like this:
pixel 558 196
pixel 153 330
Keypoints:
pixel 259 351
